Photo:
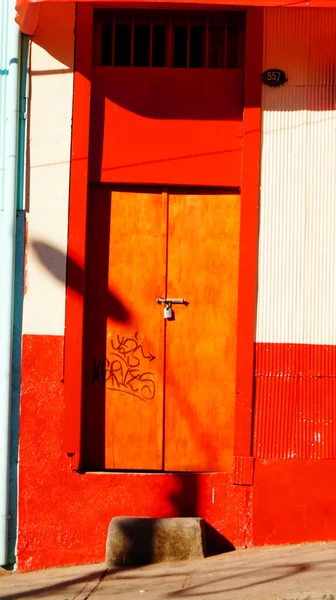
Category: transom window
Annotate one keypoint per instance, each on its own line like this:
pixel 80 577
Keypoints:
pixel 187 41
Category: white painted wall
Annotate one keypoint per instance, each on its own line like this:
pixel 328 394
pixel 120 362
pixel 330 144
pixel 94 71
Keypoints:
pixel 51 89
pixel 297 245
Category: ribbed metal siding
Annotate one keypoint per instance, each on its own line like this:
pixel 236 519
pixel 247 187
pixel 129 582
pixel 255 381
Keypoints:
pixel 297 274
pixel 295 387
pixel 295 410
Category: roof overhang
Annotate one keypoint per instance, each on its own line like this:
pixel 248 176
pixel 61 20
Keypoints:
pixel 28 10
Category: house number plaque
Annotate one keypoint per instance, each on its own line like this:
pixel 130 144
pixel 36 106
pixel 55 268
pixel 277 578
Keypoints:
pixel 274 77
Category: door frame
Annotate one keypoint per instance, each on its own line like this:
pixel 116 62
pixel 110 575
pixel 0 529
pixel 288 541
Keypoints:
pixel 76 258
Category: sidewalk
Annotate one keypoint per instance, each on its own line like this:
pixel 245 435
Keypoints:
pixel 304 572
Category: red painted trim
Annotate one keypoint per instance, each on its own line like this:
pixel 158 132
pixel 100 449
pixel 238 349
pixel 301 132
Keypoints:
pixel 27 17
pixel 21 5
pixel 248 233
pixel 77 232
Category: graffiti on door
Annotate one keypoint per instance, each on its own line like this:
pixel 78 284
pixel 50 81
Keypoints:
pixel 126 370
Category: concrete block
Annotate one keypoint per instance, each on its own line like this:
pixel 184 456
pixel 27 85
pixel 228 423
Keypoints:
pixel 142 541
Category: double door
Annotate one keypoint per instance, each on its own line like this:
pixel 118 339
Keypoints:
pixel 159 393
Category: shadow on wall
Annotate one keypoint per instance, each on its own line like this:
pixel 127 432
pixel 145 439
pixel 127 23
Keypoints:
pixel 185 499
pixel 54 35
pixel 54 261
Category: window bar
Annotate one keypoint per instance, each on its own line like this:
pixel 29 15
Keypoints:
pixel 98 47
pixel 188 44
pixel 241 48
pixel 151 43
pixel 225 44
pixel 207 44
pixel 113 40
pixel 169 46
pixel 132 43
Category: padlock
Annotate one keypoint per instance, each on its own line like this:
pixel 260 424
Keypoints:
pixel 168 312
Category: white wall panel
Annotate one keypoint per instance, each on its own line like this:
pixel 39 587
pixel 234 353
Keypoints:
pixel 51 89
pixel 297 245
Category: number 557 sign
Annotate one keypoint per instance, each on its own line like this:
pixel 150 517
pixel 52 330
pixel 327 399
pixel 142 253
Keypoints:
pixel 274 77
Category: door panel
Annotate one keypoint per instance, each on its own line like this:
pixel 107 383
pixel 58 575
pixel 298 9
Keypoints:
pixel 125 354
pixel 203 251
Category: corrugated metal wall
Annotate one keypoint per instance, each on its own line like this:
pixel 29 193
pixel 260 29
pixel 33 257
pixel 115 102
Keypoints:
pixel 296 316
pixel 297 275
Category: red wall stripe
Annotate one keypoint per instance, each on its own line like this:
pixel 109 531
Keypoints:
pixel 74 316
pixel 248 238
pixel 294 413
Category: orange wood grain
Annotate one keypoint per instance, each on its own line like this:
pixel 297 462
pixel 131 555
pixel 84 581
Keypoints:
pixel 127 327
pixel 203 252
pixel 134 425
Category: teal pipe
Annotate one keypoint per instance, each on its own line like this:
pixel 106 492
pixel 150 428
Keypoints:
pixel 18 303
pixel 9 119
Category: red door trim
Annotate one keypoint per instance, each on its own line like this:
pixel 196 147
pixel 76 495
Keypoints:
pixel 243 474
pixel 74 318
pixel 247 287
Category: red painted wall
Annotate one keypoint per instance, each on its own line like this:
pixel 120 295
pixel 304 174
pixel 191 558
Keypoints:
pixel 294 501
pixel 64 516
pixel 294 413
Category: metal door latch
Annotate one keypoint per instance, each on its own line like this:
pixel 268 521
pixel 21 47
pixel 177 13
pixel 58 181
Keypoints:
pixel 170 300
pixel 168 312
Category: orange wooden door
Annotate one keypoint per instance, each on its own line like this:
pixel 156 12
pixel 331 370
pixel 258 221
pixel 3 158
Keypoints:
pixel 203 242
pixel 143 245
pixel 124 345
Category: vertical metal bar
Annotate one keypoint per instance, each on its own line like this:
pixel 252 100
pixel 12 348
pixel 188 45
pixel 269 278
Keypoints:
pixel 225 43
pixel 188 44
pixel 132 43
pixel 98 44
pixel 113 40
pixel 207 44
pixel 151 43
pixel 9 123
pixel 169 45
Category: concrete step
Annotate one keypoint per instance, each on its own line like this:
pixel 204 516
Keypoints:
pixel 143 541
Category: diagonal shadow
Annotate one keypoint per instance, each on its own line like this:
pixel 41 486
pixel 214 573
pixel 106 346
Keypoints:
pixel 44 592
pixel 54 261
pixel 288 571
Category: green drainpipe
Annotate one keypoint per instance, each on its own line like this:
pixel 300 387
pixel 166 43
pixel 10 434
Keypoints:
pixel 11 181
